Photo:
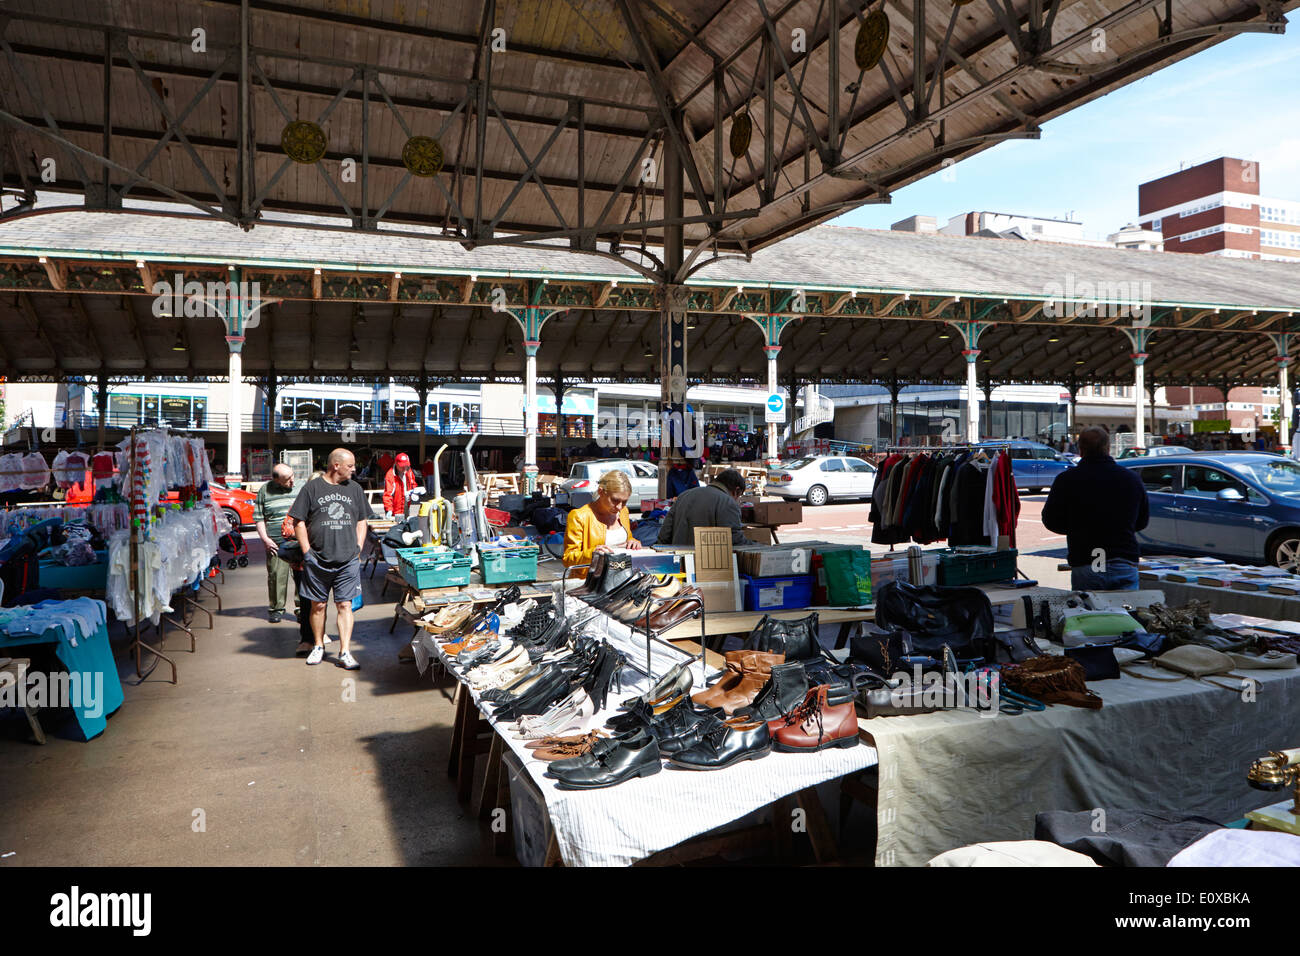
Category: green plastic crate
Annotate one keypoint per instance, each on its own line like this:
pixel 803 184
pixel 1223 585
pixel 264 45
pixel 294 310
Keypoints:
pixel 508 565
pixel 425 568
pixel 958 567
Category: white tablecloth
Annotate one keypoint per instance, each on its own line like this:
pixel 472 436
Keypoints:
pixel 620 825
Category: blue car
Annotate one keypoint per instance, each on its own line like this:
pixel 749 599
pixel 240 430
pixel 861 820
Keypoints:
pixel 1240 506
pixel 1033 464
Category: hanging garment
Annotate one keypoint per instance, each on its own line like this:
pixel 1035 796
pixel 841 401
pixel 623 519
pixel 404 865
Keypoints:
pixel 990 523
pixel 882 531
pixel 1006 499
pixel 968 506
pixel 11 472
pixel 101 469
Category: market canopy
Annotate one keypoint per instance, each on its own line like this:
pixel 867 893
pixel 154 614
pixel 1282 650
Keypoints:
pixel 77 299
pixel 617 128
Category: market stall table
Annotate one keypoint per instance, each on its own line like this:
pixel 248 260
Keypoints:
pixel 90 657
pixel 953 778
pixel 627 823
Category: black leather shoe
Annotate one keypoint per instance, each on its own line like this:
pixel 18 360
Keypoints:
pixel 625 588
pixel 784 692
pixel 635 757
pixel 725 743
pixel 679 728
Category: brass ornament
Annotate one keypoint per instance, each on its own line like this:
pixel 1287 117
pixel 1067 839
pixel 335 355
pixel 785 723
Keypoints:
pixel 873 37
pixel 422 156
pixel 303 142
pixel 742 131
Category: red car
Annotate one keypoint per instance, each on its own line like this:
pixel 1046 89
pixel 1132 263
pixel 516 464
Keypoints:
pixel 235 502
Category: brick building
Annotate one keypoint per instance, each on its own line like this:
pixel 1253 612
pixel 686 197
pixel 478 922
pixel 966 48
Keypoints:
pixel 1216 209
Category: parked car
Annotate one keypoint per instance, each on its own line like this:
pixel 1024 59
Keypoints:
pixel 1156 451
pixel 1242 506
pixel 1033 464
pixel 819 478
pixel 643 475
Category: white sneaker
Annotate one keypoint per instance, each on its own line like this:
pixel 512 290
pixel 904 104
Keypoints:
pixel 317 655
pixel 347 662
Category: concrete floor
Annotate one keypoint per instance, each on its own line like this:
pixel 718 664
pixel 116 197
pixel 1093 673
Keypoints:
pixel 284 770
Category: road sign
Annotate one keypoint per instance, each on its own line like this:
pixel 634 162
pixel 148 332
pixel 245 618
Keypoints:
pixel 775 408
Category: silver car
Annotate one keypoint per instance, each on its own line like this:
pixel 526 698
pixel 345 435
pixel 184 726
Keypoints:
pixel 819 478
pixel 643 475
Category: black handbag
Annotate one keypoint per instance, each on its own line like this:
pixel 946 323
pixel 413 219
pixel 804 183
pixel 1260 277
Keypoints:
pixel 1098 660
pixel 879 648
pixel 797 639
pixel 1016 646
pixel 959 618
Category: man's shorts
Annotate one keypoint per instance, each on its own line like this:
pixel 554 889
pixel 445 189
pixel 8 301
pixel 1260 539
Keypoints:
pixel 318 580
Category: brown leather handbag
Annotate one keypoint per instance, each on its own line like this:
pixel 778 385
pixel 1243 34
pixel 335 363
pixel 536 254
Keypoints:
pixel 1052 680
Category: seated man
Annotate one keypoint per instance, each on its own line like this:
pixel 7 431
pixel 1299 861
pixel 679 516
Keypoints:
pixel 715 505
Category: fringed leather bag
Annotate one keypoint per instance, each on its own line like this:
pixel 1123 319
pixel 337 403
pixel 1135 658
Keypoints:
pixel 1052 680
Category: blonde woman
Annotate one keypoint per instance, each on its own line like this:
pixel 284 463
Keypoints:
pixel 601 525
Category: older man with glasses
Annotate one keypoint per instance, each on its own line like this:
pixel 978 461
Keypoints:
pixel 273 502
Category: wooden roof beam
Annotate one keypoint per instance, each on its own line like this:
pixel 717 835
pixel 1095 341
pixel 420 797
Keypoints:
pixel 57 274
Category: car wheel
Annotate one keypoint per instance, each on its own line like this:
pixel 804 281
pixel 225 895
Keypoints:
pixel 235 521
pixel 817 496
pixel 1284 551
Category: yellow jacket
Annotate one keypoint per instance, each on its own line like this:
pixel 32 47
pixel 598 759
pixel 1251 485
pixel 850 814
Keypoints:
pixel 584 533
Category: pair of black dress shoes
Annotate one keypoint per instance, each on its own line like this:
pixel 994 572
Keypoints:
pixel 610 761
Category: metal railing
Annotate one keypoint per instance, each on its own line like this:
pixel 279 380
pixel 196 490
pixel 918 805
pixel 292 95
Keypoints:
pixel 822 410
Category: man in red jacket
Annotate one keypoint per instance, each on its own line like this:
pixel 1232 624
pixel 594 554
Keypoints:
pixel 397 483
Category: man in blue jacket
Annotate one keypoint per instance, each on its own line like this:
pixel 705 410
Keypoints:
pixel 1099 506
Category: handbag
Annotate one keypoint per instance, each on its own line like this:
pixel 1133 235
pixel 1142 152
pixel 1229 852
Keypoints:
pixel 878 648
pixel 960 618
pixel 1052 680
pixel 1016 646
pixel 1194 661
pixel 1098 660
pixel 797 639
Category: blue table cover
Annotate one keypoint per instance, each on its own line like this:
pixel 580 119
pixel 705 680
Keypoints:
pixel 91 655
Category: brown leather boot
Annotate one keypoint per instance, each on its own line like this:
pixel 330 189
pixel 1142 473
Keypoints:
pixel 731 679
pixel 756 671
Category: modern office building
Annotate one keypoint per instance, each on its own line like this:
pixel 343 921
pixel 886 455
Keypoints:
pixel 1216 209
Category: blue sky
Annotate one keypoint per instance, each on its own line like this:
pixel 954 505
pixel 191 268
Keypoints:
pixel 1240 98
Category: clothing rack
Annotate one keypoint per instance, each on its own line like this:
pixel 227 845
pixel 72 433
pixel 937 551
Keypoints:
pixel 136 536
pixel 940 449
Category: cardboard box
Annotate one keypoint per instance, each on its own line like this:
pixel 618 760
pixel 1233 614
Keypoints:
pixel 714 558
pixel 776 561
pixel 758 535
pixel 778 512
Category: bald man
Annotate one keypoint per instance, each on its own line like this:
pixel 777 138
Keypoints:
pixel 331 513
pixel 269 508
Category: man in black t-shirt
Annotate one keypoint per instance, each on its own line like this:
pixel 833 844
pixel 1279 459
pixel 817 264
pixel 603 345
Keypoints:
pixel 331 512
